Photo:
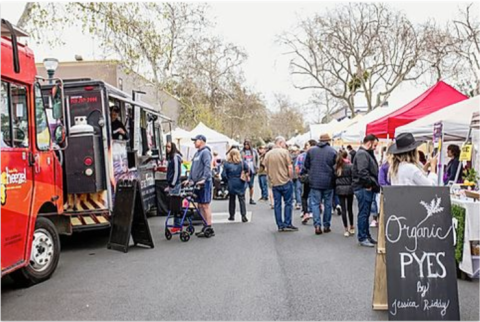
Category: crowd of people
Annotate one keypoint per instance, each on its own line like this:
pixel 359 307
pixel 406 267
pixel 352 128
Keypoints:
pixel 318 179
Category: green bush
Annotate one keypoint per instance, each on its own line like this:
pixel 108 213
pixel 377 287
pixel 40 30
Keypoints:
pixel 459 213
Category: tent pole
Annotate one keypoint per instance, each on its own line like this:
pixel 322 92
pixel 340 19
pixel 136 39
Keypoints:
pixel 466 141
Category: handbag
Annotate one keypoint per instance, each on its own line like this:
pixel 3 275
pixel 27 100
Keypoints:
pixel 245 175
pixel 304 178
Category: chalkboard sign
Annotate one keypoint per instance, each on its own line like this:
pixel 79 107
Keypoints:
pixel 421 271
pixel 129 218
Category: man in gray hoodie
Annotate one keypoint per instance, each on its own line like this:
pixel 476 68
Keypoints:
pixel 201 174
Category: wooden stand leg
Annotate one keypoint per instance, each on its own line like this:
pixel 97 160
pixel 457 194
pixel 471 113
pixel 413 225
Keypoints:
pixel 380 300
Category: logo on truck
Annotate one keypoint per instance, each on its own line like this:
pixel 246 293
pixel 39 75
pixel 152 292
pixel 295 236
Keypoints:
pixel 3 188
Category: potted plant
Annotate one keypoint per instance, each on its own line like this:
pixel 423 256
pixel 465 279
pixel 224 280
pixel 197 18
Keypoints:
pixel 470 179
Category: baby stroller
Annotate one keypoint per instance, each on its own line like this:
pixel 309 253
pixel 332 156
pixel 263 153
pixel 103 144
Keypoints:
pixel 220 188
pixel 182 208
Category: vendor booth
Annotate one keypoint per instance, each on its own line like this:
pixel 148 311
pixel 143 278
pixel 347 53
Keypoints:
pixel 355 132
pixel 456 120
pixel 435 98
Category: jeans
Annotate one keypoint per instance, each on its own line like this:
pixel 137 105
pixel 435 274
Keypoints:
pixel 364 198
pixel 374 207
pixel 285 191
pixel 231 205
pixel 325 197
pixel 262 180
pixel 336 200
pixel 297 192
pixel 306 200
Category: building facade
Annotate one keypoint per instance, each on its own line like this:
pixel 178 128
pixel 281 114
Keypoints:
pixel 113 73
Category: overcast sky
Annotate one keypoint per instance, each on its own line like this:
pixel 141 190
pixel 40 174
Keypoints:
pixel 254 26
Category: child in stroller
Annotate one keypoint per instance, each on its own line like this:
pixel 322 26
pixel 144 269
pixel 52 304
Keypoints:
pixel 220 188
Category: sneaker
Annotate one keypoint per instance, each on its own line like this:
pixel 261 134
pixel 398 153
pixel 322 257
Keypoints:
pixel 339 210
pixel 318 230
pixel 346 233
pixel 305 219
pixel 244 219
pixel 202 233
pixel 298 207
pixel 252 202
pixel 327 230
pixel 373 241
pixel 352 231
pixel 231 218
pixel 281 230
pixel 374 223
pixel 366 243
pixel 291 228
pixel 272 206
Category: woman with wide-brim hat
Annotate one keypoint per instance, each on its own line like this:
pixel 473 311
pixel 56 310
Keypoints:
pixel 405 167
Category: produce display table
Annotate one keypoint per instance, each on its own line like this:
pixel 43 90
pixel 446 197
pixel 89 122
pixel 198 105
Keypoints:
pixel 472 234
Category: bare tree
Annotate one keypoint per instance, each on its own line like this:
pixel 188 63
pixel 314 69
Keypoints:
pixel 286 119
pixel 355 49
pixel 215 65
pixel 322 107
pixel 467 33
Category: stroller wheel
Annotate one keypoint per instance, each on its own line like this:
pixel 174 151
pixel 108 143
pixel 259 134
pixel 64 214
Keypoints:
pixel 191 230
pixel 168 234
pixel 184 236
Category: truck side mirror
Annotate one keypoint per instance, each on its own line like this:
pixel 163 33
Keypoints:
pixel 60 135
pixel 57 102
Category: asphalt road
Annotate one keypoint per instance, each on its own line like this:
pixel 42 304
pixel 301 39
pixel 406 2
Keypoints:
pixel 248 271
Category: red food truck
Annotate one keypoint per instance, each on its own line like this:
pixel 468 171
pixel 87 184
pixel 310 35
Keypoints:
pixel 31 174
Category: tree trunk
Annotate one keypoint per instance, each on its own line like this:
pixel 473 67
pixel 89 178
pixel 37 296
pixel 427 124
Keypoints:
pixel 26 14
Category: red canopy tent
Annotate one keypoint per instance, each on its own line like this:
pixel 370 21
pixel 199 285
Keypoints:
pixel 437 97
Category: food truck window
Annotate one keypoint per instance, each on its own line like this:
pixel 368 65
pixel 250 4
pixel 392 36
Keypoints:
pixel 19 115
pixel 41 121
pixel 5 116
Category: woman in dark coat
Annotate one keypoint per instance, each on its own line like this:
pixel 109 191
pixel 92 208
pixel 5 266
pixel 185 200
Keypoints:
pixel 174 171
pixel 344 190
pixel 232 171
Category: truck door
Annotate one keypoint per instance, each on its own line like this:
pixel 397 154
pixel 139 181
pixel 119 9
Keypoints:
pixel 17 174
pixel 45 159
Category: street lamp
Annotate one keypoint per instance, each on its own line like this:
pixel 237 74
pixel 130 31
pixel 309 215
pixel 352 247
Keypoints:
pixel 50 65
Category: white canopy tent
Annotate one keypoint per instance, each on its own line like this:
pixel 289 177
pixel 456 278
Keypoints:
pixel 318 129
pixel 455 120
pixel 356 132
pixel 215 140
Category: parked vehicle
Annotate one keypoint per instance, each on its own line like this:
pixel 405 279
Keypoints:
pixel 94 161
pixel 31 172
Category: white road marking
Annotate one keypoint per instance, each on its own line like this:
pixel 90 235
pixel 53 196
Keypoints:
pixel 222 217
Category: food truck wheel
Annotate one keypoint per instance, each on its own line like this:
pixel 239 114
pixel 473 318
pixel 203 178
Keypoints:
pixel 44 256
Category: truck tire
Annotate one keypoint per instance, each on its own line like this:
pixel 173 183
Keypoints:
pixel 44 255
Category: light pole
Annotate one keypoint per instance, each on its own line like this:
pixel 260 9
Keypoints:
pixel 50 65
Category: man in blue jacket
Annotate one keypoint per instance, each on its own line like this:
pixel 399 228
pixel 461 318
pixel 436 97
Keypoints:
pixel 201 174
pixel 320 166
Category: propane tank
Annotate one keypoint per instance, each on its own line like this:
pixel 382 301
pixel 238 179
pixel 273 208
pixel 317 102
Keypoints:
pixel 81 127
